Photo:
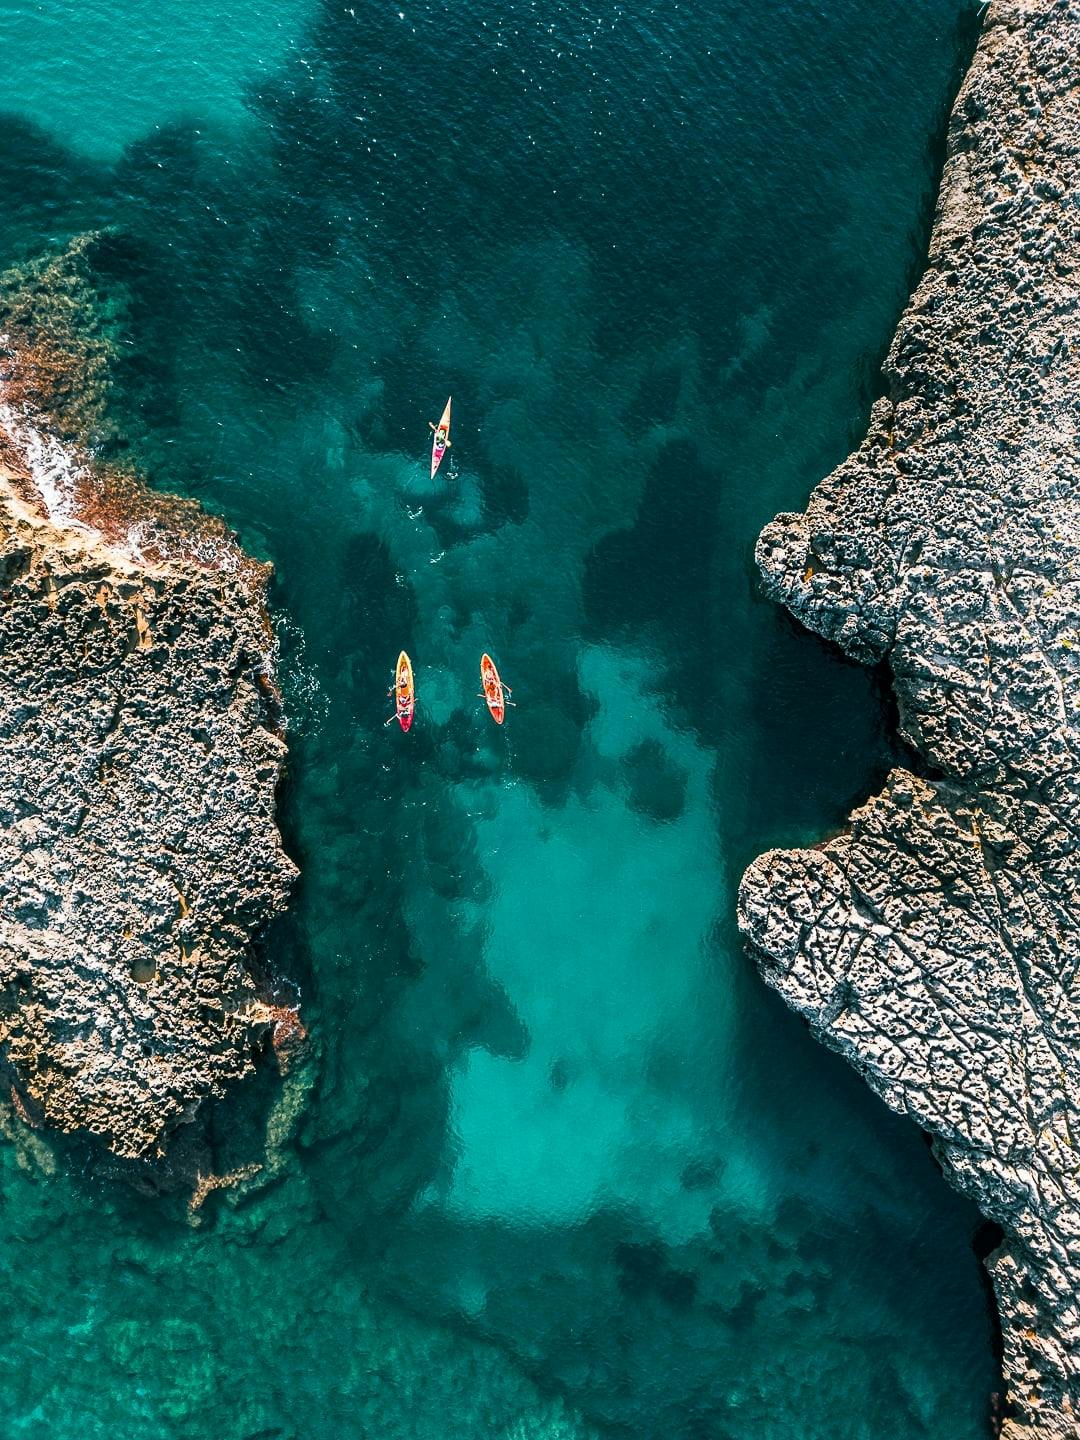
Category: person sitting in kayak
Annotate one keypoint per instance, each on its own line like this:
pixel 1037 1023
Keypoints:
pixel 504 696
pixel 441 437
pixel 402 705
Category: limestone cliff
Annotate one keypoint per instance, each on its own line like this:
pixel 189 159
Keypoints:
pixel 936 944
pixel 140 749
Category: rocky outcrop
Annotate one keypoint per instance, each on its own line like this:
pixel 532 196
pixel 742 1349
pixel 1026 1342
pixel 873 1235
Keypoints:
pixel 140 749
pixel 936 944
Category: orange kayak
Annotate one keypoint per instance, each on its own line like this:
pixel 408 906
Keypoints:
pixel 493 689
pixel 440 440
pixel 404 693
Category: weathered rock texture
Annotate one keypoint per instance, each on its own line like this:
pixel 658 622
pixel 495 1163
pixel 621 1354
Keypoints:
pixel 140 748
pixel 936 945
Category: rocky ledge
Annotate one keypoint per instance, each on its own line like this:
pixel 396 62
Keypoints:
pixel 140 750
pixel 936 944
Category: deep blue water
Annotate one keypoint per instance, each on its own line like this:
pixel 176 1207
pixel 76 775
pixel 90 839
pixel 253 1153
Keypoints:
pixel 565 1167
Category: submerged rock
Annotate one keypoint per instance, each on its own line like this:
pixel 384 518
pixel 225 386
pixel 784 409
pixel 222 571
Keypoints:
pixel 140 749
pixel 936 945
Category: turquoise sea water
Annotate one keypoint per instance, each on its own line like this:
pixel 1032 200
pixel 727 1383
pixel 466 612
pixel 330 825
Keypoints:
pixel 567 1169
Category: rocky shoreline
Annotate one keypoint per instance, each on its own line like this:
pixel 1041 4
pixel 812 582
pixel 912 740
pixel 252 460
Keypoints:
pixel 141 744
pixel 936 944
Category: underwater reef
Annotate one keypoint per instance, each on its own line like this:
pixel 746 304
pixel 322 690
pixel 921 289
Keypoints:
pixel 936 943
pixel 141 743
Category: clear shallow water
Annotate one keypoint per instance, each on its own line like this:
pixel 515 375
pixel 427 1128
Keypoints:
pixel 109 75
pixel 567 1168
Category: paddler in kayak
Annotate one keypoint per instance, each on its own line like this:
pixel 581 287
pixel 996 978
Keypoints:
pixel 494 692
pixel 441 436
pixel 403 693
pixel 403 713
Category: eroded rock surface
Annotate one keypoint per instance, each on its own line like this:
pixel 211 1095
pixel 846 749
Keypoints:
pixel 140 749
pixel 936 945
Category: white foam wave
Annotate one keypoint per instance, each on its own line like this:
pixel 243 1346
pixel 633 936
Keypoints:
pixel 305 702
pixel 215 552
pixel 54 470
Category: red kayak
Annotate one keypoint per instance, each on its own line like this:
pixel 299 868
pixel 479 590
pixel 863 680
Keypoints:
pixel 495 692
pixel 403 692
pixel 441 439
